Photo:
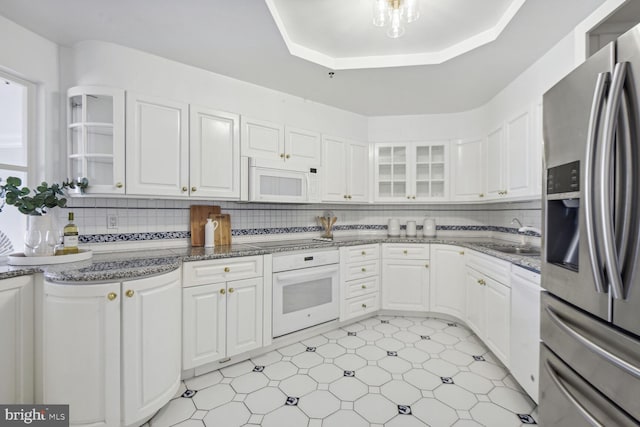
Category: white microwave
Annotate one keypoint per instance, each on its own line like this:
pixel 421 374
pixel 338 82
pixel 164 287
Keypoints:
pixel 275 181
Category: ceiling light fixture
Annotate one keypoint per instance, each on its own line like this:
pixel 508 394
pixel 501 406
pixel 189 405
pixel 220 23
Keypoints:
pixel 395 13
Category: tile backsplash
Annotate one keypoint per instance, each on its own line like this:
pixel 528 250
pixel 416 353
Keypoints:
pixel 153 216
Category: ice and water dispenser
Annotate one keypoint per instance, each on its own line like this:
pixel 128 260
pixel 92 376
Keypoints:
pixel 563 210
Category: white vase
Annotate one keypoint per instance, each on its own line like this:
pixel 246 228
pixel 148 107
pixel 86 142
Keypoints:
pixel 42 235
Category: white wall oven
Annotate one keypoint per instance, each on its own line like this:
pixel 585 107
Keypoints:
pixel 305 290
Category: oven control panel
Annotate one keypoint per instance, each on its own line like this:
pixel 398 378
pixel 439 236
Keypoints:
pixel 294 261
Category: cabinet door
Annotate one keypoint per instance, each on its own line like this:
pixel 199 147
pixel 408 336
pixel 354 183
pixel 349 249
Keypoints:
pixel 302 147
pixel 538 143
pixel 244 315
pixel 391 172
pixel 203 324
pixel 357 172
pixel 474 301
pixel 447 280
pixel 16 336
pixel 151 344
pixel 496 158
pixel 405 285
pixel 467 167
pixel 214 153
pixel 80 354
pixel 519 161
pixel 334 169
pixel 262 139
pixel 430 171
pixel 157 146
pixel 498 318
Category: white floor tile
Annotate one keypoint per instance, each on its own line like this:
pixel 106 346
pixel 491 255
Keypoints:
pixel 373 375
pixel 175 411
pixel 286 416
pixel 400 392
pixel 394 365
pixel 280 370
pixel 490 414
pixel 474 383
pixel 232 414
pixel 345 418
pixel 307 360
pixel 413 355
pixel 203 381
pixel 351 342
pixel 249 382
pixel 319 404
pixel 330 351
pixel 265 400
pixel 298 385
pixel 350 362
pixel 389 344
pixel 199 414
pixel 267 359
pixel 326 373
pixel 348 388
pixel 371 352
pixel 237 369
pixel 213 396
pixel 405 421
pixel 375 408
pixel 435 413
pixel 293 349
pixel 512 400
pixel 455 396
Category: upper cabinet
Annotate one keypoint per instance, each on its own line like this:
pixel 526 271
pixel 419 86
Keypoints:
pixel 468 176
pixel 157 146
pixel 274 141
pixel 411 172
pixel 495 170
pixel 214 153
pixel 345 170
pixel 95 138
pixel 519 162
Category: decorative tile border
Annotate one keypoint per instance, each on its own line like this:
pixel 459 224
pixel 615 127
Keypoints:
pixel 124 237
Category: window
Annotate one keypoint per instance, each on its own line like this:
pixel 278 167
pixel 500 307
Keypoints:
pixel 16 136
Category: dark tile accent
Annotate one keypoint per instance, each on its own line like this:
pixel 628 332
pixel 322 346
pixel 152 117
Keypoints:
pixel 455 325
pixel 384 321
pixel 349 373
pixel 425 337
pixel 311 349
pixel 189 393
pixel 292 401
pixel 404 409
pixel 258 368
pixel 479 358
pixel 351 334
pixel 446 380
pixel 392 353
pixel 526 419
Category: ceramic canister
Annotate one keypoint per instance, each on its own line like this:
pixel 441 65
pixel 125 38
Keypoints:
pixel 411 229
pixel 429 227
pixel 393 227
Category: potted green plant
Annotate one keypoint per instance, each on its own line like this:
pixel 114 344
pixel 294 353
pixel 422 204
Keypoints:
pixel 42 234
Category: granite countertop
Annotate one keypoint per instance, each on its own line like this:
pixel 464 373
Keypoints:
pixel 126 265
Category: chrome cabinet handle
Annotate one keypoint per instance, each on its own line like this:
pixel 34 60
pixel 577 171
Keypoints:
pixel 590 202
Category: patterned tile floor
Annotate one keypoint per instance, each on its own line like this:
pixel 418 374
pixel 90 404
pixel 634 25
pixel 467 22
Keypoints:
pixel 392 371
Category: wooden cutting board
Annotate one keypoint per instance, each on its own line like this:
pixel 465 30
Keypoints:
pixel 198 219
pixel 222 235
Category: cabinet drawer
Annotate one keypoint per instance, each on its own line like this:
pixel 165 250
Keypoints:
pixel 361 253
pixel 361 270
pixel 405 251
pixel 221 270
pixel 490 266
pixel 356 288
pixel 361 305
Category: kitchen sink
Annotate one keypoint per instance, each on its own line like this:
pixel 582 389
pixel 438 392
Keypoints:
pixel 518 250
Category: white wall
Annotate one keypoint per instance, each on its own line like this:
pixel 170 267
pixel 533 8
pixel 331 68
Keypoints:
pixel 34 58
pixel 107 64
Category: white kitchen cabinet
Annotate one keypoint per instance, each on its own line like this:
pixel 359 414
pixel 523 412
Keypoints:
pixel 538 145
pixel 496 168
pixel 519 161
pixel 412 172
pixel 151 339
pixel 345 169
pixel 468 175
pixel 16 336
pixel 214 154
pixel 157 147
pixel 447 280
pixel 80 354
pixel 525 329
pixel 222 309
pixel 111 351
pixel 359 280
pixel 268 140
pixel 488 302
pixel 95 138
pixel 405 277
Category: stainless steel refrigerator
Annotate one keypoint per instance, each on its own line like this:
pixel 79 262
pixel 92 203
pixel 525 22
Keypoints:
pixel 590 311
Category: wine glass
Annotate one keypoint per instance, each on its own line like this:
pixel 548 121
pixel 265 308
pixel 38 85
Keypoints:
pixel 32 241
pixel 51 239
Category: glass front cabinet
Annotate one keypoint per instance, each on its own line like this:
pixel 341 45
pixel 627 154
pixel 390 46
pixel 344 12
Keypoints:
pixel 412 172
pixel 95 138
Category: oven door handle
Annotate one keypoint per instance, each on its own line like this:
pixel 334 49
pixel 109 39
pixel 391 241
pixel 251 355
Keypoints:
pixel 304 274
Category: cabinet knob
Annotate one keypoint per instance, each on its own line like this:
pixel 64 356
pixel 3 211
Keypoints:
pixel 227 269
pixel 461 252
pixel 413 197
pixel 405 252
pixel 185 189
pixel 223 291
pixel 408 197
pixel 282 156
pixel 481 282
pixel 287 156
pixel 119 185
pixel 349 197
pixel 129 293
pixel 364 269
pixel 231 290
pixel 345 196
pixel 364 286
pixel 111 296
pixel 364 305
pixel 426 266
pixel 481 195
pixel 193 189
pixel 364 253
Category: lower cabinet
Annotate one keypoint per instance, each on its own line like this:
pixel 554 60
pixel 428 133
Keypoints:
pixel 223 318
pixel 16 338
pixel 359 280
pixel 447 280
pixel 111 351
pixel 525 329
pixel 405 277
pixel 488 303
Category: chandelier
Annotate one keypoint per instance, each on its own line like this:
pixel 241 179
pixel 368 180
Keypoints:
pixel 395 13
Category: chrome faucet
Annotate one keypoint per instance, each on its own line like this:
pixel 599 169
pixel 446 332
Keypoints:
pixel 525 228
pixel 516 220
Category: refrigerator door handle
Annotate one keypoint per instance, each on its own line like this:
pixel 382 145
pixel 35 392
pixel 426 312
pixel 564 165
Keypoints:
pixel 606 161
pixel 595 119
pixel 600 351
pixel 558 383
